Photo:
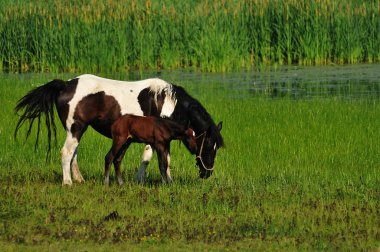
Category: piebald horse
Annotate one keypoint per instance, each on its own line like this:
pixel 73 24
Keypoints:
pixel 156 131
pixel 89 100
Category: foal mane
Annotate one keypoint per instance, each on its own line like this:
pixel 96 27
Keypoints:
pixel 174 127
pixel 199 119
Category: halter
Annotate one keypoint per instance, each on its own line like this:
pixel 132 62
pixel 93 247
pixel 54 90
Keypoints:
pixel 200 152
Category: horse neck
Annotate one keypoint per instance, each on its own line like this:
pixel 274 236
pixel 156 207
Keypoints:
pixel 190 112
pixel 199 121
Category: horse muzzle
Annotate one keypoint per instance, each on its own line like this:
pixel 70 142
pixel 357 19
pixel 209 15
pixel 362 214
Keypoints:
pixel 204 172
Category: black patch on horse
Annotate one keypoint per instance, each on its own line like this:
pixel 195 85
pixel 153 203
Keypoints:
pixel 64 98
pixel 148 104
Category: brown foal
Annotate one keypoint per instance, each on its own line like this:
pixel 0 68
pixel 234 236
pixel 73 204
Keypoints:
pixel 158 132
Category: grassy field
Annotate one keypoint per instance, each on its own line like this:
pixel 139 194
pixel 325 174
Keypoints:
pixel 295 175
pixel 210 35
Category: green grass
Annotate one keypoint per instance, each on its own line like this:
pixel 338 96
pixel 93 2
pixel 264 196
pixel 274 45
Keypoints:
pixel 295 175
pixel 209 35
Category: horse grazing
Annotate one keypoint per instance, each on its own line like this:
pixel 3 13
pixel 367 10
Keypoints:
pixel 158 132
pixel 93 101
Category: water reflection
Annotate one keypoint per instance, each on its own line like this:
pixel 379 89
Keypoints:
pixel 294 82
pixel 343 82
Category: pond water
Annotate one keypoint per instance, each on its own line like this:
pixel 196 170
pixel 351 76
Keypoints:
pixel 343 82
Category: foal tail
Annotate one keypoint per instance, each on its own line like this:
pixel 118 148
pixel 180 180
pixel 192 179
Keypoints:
pixel 39 101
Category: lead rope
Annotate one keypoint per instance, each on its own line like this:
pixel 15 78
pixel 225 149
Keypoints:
pixel 200 152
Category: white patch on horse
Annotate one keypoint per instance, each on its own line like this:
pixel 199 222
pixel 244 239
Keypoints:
pixel 148 153
pixel 169 103
pixel 158 86
pixel 67 154
pixel 168 175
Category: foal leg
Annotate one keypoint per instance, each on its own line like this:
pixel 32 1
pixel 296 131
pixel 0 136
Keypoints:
pixel 168 176
pixel 117 161
pixel 67 155
pixel 108 161
pixel 115 155
pixel 162 155
pixel 146 157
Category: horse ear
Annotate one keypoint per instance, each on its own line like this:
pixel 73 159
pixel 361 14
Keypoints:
pixel 219 127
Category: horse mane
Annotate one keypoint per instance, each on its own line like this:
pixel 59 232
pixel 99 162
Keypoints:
pixel 158 86
pixel 197 115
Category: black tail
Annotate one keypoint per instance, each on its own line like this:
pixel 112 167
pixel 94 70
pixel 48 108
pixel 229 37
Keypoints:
pixel 39 101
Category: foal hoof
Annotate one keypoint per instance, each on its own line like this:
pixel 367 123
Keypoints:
pixel 106 182
pixel 167 181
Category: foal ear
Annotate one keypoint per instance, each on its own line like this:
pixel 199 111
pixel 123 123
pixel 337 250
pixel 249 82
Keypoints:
pixel 219 126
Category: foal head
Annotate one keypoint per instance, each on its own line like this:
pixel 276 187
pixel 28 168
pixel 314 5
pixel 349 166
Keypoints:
pixel 180 132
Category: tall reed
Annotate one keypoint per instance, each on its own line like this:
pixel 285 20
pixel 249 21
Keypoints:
pixel 210 35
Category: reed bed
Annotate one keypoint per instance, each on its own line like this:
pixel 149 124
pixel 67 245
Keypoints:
pixel 207 35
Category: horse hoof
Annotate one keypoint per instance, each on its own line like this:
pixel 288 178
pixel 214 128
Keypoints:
pixel 140 177
pixel 80 181
pixel 139 180
pixel 67 183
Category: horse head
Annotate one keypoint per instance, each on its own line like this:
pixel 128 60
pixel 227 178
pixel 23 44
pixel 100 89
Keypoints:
pixel 208 138
pixel 208 143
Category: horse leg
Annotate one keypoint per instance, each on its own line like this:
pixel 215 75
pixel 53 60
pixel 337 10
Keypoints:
pixel 146 157
pixel 77 176
pixel 67 155
pixel 69 152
